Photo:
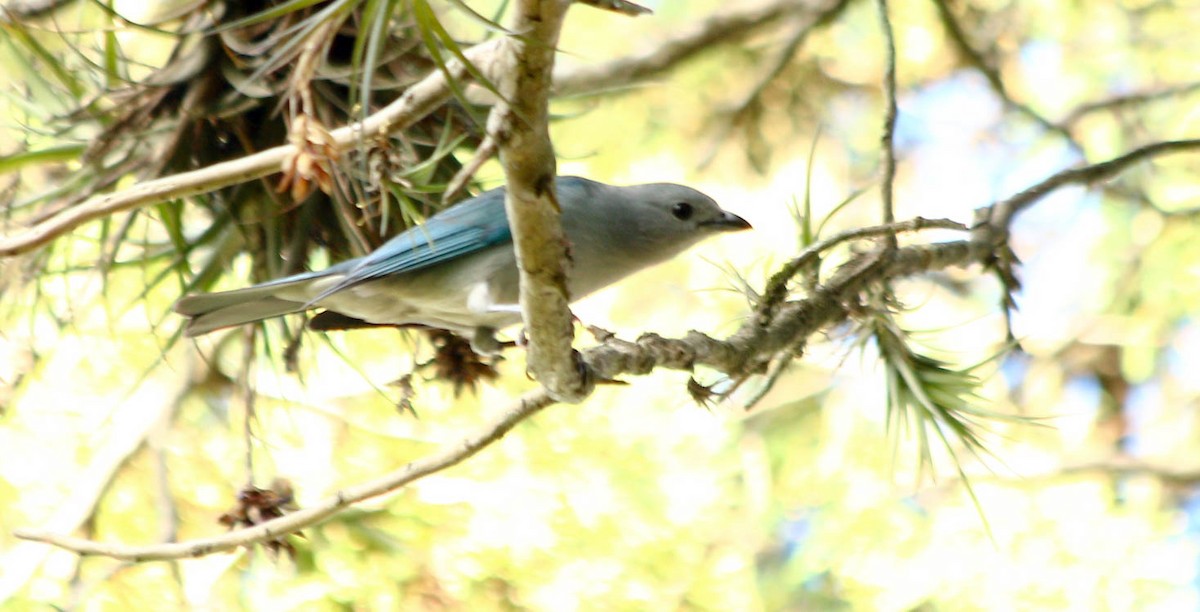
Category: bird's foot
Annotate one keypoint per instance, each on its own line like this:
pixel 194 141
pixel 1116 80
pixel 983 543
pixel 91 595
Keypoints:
pixel 484 342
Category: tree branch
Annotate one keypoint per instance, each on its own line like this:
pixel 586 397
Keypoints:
pixel 132 430
pixel 783 326
pixel 1002 213
pixel 746 352
pixel 745 110
pixel 1124 101
pixel 749 349
pixel 887 141
pixel 1116 466
pixel 521 409
pixel 519 126
pixel 976 58
pixel 777 287
pixel 729 26
pixel 416 102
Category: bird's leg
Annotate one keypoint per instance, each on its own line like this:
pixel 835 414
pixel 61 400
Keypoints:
pixel 585 371
pixel 484 341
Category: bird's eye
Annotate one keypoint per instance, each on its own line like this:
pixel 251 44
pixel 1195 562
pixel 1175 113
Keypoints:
pixel 682 211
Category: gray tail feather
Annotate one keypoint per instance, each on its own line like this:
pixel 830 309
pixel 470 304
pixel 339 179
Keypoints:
pixel 212 311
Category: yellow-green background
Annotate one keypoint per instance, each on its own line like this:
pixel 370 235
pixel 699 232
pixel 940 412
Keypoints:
pixel 638 499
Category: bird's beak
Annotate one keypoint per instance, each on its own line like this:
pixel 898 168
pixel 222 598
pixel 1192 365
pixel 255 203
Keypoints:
pixel 728 222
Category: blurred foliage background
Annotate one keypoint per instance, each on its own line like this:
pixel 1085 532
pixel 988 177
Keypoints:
pixel 110 427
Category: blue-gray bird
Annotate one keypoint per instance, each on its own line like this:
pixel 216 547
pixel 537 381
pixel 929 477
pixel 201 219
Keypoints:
pixel 458 272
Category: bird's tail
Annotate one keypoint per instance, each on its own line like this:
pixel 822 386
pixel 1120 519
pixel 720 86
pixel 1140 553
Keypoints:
pixel 212 311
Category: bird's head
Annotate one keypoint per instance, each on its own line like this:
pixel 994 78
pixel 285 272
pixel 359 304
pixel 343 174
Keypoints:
pixel 674 217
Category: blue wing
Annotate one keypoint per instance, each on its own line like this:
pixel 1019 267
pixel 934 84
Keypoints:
pixel 463 229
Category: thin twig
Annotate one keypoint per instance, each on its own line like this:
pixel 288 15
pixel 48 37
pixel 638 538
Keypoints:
pixel 1117 466
pixel 975 58
pixel 887 142
pixel 779 365
pixel 450 455
pixel 248 395
pixel 730 26
pixel 87 489
pixel 1001 213
pixel 776 289
pixel 741 111
pixel 1126 100
pixel 788 52
pixel 485 151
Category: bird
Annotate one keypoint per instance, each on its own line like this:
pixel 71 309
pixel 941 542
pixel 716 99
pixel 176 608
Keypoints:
pixel 457 271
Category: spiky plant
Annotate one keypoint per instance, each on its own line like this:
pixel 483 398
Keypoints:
pixel 234 78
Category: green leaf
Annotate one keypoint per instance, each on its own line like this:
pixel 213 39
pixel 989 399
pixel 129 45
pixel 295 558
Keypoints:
pixel 269 14
pixel 51 154
pixel 432 33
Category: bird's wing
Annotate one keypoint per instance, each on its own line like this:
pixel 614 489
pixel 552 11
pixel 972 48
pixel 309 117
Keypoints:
pixel 461 230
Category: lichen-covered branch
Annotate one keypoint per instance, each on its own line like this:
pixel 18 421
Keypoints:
pixel 748 350
pixel 519 126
